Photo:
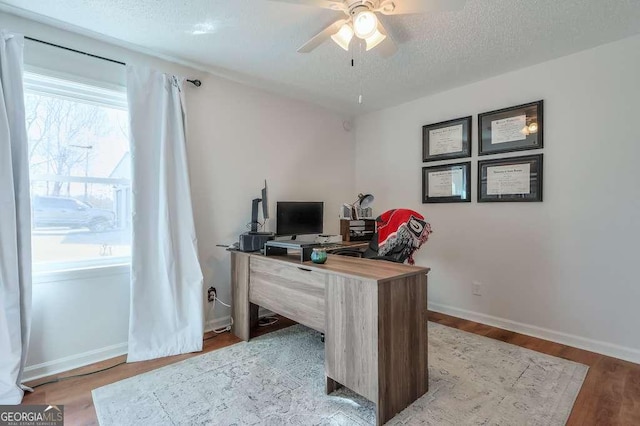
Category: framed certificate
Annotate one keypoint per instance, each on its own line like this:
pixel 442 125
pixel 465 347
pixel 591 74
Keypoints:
pixel 447 140
pixel 511 129
pixel 449 183
pixel 510 179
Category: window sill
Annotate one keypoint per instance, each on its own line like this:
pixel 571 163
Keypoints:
pixel 80 273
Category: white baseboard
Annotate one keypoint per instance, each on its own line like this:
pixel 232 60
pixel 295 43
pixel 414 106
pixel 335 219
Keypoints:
pixel 222 322
pixel 217 323
pixel 57 366
pixel 61 365
pixel 33 372
pixel 604 348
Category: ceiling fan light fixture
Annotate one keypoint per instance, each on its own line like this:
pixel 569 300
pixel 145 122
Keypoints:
pixel 365 24
pixel 343 36
pixel 375 39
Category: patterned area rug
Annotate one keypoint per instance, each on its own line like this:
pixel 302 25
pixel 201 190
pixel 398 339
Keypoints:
pixel 278 379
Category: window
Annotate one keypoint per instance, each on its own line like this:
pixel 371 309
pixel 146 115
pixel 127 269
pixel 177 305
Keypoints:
pixel 80 173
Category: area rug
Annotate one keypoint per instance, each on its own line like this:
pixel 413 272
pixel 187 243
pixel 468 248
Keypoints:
pixel 278 379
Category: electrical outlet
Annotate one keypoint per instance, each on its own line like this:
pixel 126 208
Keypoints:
pixel 212 294
pixel 476 288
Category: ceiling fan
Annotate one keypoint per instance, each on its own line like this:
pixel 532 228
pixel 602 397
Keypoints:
pixel 363 22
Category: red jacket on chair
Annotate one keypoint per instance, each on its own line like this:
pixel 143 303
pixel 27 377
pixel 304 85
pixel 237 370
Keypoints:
pixel 401 231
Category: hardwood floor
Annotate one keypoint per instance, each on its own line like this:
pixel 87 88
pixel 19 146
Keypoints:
pixel 75 394
pixel 610 394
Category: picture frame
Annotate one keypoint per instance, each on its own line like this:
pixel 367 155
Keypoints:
pixel 447 140
pixel 510 179
pixel 511 129
pixel 447 183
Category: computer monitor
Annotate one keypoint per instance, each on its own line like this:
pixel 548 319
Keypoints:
pixel 299 217
pixel 265 202
pixel 254 209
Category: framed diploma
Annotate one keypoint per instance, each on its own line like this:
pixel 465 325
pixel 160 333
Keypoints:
pixel 510 179
pixel 449 183
pixel 447 140
pixel 510 129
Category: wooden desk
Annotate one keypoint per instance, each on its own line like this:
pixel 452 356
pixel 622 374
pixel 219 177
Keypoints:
pixel 373 314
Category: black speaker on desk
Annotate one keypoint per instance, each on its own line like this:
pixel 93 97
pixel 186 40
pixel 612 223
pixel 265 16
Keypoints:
pixel 254 241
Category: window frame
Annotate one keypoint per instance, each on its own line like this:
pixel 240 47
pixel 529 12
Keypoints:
pixel 44 82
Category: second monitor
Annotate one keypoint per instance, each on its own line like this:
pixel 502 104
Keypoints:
pixel 299 218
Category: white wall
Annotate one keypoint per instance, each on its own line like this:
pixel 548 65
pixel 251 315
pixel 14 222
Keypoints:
pixel 565 269
pixel 240 136
pixel 78 319
pixel 237 137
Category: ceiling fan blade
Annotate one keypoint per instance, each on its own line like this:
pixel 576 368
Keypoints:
pixel 322 36
pixel 326 4
pixel 422 6
pixel 387 47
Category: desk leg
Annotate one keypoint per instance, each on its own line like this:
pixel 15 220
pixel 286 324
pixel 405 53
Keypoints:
pixel 332 385
pixel 253 317
pixel 402 345
pixel 376 340
pixel 244 314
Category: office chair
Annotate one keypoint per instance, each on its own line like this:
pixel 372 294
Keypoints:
pixel 400 232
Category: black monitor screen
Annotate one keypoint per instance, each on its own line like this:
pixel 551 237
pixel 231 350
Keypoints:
pixel 296 217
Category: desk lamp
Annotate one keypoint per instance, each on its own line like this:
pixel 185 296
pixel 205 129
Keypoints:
pixel 363 201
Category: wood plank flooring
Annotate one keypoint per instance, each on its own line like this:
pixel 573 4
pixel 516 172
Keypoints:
pixel 75 394
pixel 610 394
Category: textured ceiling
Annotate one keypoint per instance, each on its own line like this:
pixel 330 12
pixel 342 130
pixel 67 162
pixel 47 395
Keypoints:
pixel 256 40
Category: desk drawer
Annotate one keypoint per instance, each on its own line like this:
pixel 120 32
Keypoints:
pixel 289 290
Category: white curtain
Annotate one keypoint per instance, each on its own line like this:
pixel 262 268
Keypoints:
pixel 15 222
pixel 166 314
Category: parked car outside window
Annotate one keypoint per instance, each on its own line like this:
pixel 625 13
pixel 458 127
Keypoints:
pixel 70 213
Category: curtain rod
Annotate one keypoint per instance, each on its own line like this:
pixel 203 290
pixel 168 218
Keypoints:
pixel 196 83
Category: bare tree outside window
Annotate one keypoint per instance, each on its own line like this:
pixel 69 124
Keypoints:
pixel 58 129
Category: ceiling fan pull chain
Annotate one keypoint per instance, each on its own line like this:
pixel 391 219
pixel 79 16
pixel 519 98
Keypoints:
pixel 353 64
pixel 360 71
